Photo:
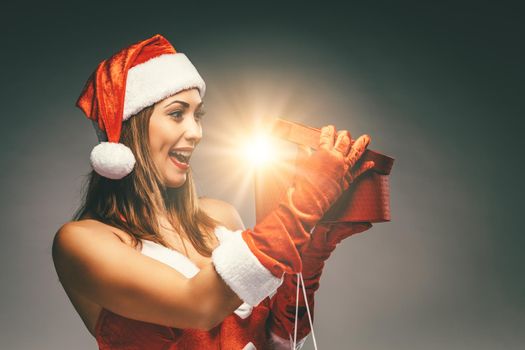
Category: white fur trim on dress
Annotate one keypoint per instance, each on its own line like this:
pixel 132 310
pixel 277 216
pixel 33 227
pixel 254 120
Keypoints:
pixel 158 78
pixel 242 271
pixel 170 257
pixel 112 160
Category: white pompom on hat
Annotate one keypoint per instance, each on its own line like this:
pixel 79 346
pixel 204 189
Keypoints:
pixel 134 78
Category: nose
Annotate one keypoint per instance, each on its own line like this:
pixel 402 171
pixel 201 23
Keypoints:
pixel 193 130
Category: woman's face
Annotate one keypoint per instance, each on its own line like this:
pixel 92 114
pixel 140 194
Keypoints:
pixel 174 132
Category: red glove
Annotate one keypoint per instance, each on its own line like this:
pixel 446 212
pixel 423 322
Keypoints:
pixel 324 239
pixel 253 262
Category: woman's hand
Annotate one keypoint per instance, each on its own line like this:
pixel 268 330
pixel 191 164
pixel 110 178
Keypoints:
pixel 343 149
pixel 356 151
pixel 322 176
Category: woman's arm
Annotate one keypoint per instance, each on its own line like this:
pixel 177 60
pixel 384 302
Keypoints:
pixel 94 262
pixel 251 262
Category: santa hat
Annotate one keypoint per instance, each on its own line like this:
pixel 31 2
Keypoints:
pixel 134 78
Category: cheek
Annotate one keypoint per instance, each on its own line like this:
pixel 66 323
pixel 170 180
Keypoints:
pixel 153 144
pixel 158 136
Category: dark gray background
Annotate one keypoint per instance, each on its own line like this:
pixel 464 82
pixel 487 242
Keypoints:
pixel 437 86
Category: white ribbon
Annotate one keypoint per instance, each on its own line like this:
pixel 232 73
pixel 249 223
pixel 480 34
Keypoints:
pixel 294 345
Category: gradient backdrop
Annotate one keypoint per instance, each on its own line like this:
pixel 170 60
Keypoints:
pixel 437 86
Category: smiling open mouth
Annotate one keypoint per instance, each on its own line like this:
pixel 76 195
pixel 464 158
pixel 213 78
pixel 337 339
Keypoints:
pixel 180 158
pixel 183 157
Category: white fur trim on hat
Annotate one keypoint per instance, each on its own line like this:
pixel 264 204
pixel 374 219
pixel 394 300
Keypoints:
pixel 158 78
pixel 242 271
pixel 112 160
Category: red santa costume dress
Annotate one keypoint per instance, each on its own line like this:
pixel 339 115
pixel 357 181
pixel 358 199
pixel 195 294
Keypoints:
pixel 247 328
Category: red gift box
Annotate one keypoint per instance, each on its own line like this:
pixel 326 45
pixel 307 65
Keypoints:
pixel 367 199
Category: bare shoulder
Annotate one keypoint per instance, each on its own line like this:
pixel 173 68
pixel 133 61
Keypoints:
pixel 90 229
pixel 223 212
pixel 76 236
pixel 76 230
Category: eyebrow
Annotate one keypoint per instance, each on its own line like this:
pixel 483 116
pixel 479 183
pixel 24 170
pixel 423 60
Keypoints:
pixel 185 104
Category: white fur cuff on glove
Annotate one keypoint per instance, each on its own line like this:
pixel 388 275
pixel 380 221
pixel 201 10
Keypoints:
pixel 242 271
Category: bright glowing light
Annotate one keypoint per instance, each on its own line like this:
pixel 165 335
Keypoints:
pixel 259 150
pixel 231 155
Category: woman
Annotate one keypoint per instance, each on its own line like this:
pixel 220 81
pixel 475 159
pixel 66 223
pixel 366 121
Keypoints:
pixel 147 264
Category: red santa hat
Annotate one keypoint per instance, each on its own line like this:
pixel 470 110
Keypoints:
pixel 134 78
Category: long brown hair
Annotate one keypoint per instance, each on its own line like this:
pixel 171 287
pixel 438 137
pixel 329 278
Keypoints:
pixel 132 203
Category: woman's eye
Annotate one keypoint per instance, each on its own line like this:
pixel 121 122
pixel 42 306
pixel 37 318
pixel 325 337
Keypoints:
pixel 200 114
pixel 176 114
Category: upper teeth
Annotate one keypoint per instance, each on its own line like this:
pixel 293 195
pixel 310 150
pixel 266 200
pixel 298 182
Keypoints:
pixel 183 153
